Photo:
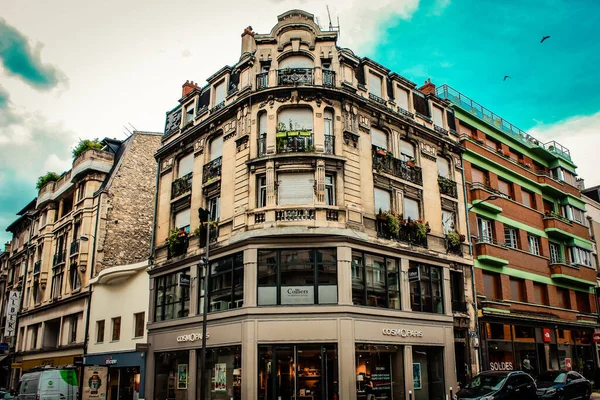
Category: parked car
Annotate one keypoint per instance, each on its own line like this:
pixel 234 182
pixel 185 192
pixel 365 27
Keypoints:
pixel 499 385
pixel 563 385
pixel 49 384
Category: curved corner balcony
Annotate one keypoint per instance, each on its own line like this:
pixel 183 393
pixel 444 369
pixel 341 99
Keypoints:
pixel 295 76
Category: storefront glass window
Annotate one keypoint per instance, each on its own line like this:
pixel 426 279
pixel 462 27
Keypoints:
pixel 172 375
pixel 299 276
pixel 298 372
pixel 172 298
pixel 223 373
pixel 426 294
pixel 375 281
pixel 226 283
pixel 379 372
pixel 428 373
pixel 498 331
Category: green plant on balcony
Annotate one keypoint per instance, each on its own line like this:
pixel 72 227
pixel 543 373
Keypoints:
pixel 454 238
pixel 86 144
pixel 177 241
pixel 421 229
pixel 49 177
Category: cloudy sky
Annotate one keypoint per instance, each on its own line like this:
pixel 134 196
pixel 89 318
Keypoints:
pixel 72 69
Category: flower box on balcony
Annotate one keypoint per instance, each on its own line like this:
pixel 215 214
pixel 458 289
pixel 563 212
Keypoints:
pixel 381 152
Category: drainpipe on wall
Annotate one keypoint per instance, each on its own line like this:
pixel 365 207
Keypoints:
pixel 151 256
pixel 472 266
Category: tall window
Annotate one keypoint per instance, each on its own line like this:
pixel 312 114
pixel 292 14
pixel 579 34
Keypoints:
pixel 517 289
pixel 383 200
pixel 185 165
pixel 528 199
pixel 172 295
pixel 484 226
pixel 297 276
pixel 294 130
pixel 407 151
pixel 540 293
pixel 491 285
pixel 330 190
pixel 410 208
pixel 328 123
pixel 375 84
pixel 443 166
pixel 375 281
pixel 511 237
pixel 139 320
pixel 226 283
pixel 580 256
pixel 505 188
pixel 100 331
pixel 219 93
pixel 583 302
pixel 379 138
pixel 182 220
pixel 57 280
pixel 564 298
pixel 116 328
pixel 426 294
pixel 402 99
pixel 216 147
pixel 262 192
pixel 73 328
pixel 534 244
pixel 295 188
pixel 555 253
pixel 189 113
pixel 448 221
pixel 421 104
pixel 74 279
pixel 479 176
pixel 214 207
pixel 438 117
pixel 573 214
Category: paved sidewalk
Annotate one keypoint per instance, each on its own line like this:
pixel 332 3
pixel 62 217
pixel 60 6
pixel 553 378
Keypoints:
pixel 596 396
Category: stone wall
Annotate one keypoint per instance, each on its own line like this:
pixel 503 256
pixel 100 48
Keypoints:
pixel 128 206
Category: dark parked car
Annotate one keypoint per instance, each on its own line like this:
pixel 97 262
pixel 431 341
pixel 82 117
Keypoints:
pixel 563 385
pixel 499 385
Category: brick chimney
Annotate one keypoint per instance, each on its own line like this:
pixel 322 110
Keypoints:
pixel 7 247
pixel 428 87
pixel 248 42
pixel 187 88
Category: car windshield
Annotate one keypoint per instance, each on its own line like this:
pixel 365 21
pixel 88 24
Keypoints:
pixel 486 382
pixel 552 376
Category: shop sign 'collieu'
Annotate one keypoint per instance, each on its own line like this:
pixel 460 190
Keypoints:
pixel 191 337
pixel 402 332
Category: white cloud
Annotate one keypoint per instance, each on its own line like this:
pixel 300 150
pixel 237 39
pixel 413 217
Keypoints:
pixel 439 6
pixel 581 135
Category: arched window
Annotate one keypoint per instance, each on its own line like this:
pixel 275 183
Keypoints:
pixel 295 70
pixel 443 166
pixel 328 131
pixel 262 134
pixel 407 151
pixel 294 130
pixel 296 61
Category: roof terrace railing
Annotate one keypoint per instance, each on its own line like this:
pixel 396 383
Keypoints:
pixel 476 109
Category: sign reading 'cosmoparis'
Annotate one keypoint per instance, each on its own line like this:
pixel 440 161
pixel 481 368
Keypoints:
pixel 191 337
pixel 402 332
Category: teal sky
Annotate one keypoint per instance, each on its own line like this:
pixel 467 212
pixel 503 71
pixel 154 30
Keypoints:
pixel 127 62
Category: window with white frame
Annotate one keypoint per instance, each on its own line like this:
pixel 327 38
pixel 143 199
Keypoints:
pixel 330 190
pixel 375 84
pixel 219 93
pixel 407 151
pixel 189 113
pixel 534 244
pixel 484 226
pixel 555 253
pixel 379 138
pixel 383 200
pixel 410 208
pixel 295 188
pixel 511 237
pixel 328 123
pixel 216 147
pixel 262 192
pixel 214 208
pixel 574 214
pixel 448 221
pixel 443 166
pixel 580 256
pixel 186 165
pixel 182 220
pixel 438 117
pixel 402 99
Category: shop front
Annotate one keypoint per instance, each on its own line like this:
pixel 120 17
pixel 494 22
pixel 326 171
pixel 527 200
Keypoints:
pixel 126 373
pixel 534 349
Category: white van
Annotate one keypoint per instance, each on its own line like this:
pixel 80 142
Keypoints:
pixel 49 384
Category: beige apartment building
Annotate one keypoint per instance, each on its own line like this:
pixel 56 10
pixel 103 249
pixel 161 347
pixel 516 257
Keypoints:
pixel 338 265
pixel 95 216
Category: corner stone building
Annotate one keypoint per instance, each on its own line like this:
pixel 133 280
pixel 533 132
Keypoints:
pixel 337 261
pixel 98 215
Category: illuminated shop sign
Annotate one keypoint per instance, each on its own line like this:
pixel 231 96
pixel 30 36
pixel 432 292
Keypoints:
pixel 191 337
pixel 402 332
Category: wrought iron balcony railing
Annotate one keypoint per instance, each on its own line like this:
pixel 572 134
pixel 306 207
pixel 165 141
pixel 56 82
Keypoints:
pixel 329 144
pixel 262 80
pixel 294 215
pixel 401 169
pixel 212 170
pixel 447 187
pixel 262 146
pixel 217 107
pixel 377 99
pixel 328 78
pixel 439 129
pixel 74 249
pixel 406 234
pixel 302 142
pixel 181 185
pixel 406 113
pixel 58 258
pixel 295 76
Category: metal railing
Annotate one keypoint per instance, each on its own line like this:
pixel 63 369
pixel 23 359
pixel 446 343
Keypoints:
pixel 179 248
pixel 476 109
pixel 181 185
pixel 74 249
pixel 212 170
pixel 217 107
pixel 295 76
pixel 406 113
pixel 261 144
pixel 329 144
pixel 447 187
pixel 294 215
pixel 553 215
pixel 405 234
pixel 58 258
pixel 558 260
pixel 295 144
pixel 328 78
pixel 37 267
pixel 262 80
pixel 377 99
pixel 332 215
pixel 398 168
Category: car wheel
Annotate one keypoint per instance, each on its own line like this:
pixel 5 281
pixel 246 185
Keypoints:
pixel 588 394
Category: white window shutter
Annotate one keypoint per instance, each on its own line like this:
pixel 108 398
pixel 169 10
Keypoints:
pixel 379 138
pixel 296 62
pixel 216 148
pixel 182 218
pixel 407 148
pixel 220 93
pixel 443 167
pixel 295 189
pixel 438 118
pixel 186 165
pixel 382 200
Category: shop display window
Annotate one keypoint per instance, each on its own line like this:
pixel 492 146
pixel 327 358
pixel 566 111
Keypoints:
pixel 223 373
pixel 428 373
pixel 226 283
pixel 375 281
pixel 498 331
pixel 298 372
pixel 171 375
pixel 426 294
pixel 379 372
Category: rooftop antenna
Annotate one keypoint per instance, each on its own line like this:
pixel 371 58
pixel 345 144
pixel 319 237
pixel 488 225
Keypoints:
pixel 335 28
pixel 134 128
pixel 127 129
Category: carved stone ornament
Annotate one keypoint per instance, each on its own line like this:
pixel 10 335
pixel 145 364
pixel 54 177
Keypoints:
pixel 364 123
pixel 457 163
pixel 167 164
pixel 428 151
pixel 317 98
pixel 199 146
pixel 350 139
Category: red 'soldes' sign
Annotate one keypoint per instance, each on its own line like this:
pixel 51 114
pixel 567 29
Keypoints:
pixel 596 337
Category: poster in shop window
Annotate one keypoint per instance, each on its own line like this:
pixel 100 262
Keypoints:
pixel 182 376
pixel 417 375
pixel 382 381
pixel 220 379
pixel 94 382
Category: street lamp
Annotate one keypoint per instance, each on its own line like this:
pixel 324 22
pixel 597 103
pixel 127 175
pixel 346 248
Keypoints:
pixel 204 216
pixel 490 198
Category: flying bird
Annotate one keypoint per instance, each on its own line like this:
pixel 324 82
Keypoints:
pixel 506 77
pixel 544 38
